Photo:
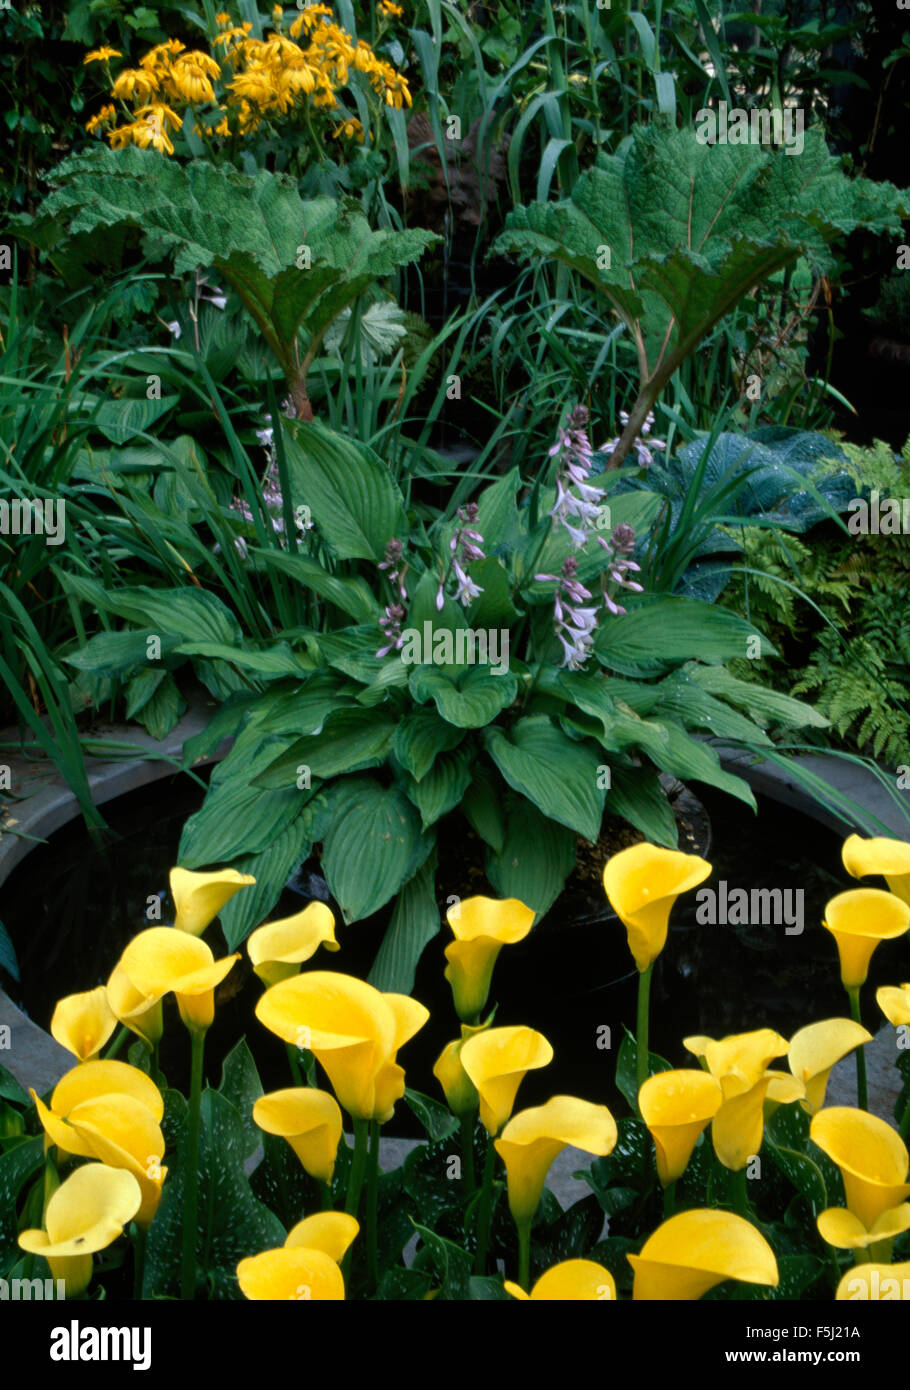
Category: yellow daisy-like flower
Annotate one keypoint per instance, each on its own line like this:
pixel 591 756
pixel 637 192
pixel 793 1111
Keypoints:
pixel 135 84
pixel 350 130
pixel 385 7
pixel 222 19
pixel 104 116
pixel 101 55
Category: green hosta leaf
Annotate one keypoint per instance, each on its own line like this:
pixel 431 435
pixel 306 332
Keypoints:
pixel 471 702
pixel 554 772
pixel 482 806
pixel 443 786
pixel 350 740
pixel 497 516
pixel 237 818
pixel 420 737
pixel 232 1223
pixel 637 796
pixel 122 420
pixel 161 711
pixel 353 501
pixel 371 846
pixel 648 639
pixel 141 689
pixel 494 607
pixel 113 653
pixel 300 711
pixel 271 868
pixel 683 696
pixel 415 921
pixel 190 613
pixel 352 595
pixel 536 858
pixel 769 706
pixel 277 660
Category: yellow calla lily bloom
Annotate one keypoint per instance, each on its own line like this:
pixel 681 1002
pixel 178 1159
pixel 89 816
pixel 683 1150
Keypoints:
pixel 131 1007
pixel 696 1250
pixel 858 920
pixel 877 1283
pixel 102 1078
pixel 496 1061
pixel 306 1266
pixel 309 1120
pixel 783 1089
pixel 740 1064
pixel 677 1106
pixel 82 1023
pixel 844 1230
pixel 572 1280
pixel 532 1139
pixel 482 926
pixel 352 1029
pixel 332 1232
pixel 642 883
pixel 86 1214
pixel 295 1273
pixel 890 858
pixel 198 898
pixel 871 1156
pixel 894 1002
pixel 814 1050
pixel 160 961
pixel 278 949
pixel 460 1091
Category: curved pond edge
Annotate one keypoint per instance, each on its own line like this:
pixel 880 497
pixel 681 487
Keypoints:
pixel 36 1060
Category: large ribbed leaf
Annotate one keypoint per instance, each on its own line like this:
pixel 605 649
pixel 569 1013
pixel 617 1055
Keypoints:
pixel 372 844
pixel 554 772
pixel 648 639
pixel 536 859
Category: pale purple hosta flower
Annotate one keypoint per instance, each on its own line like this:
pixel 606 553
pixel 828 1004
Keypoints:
pixel 576 621
pixel 576 499
pixel 465 547
pixel 392 562
pixel 620 545
pixel 390 622
pixel 643 452
pixel 271 486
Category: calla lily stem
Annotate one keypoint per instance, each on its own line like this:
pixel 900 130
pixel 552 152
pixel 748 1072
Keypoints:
pixel 669 1200
pixel 904 1126
pixel 524 1254
pixel 120 1038
pixel 467 1154
pixel 485 1209
pixel 740 1197
pixel 641 1038
pixel 294 1064
pixel 373 1205
pixel 862 1092
pixel 355 1181
pixel 191 1172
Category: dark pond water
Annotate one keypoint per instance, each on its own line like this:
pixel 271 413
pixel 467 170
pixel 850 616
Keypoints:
pixel 71 907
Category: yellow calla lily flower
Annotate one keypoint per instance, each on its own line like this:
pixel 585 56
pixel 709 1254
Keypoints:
pixel 92 1080
pixel 871 1156
pixel 121 1132
pixel 198 898
pixel 82 1023
pixel 160 961
pixel 532 1139
pixel 890 858
pixel 696 1250
pixel 783 1089
pixel 572 1280
pixel 278 949
pixel 332 1232
pixel 496 1061
pixel 642 883
pixel 858 920
pixel 352 1029
pixel 844 1230
pixel 309 1120
pixel 814 1050
pixel 677 1106
pixel 86 1214
pixel 306 1266
pixel 877 1283
pixel 740 1064
pixel 131 1007
pixel 894 1002
pixel 482 926
pixel 291 1273
pixel 460 1091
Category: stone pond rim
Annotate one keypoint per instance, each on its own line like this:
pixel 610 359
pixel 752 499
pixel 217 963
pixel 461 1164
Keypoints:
pixel 48 804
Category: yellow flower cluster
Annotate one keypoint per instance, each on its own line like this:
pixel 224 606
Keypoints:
pixel 245 81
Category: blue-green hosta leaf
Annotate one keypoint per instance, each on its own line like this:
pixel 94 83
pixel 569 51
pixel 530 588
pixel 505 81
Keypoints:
pixel 350 740
pixel 419 737
pixel 472 702
pixel 554 772
pixel 442 788
pixel 352 595
pixel 271 868
pixel 536 858
pixel 372 843
pixel 415 921
pixel 666 631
